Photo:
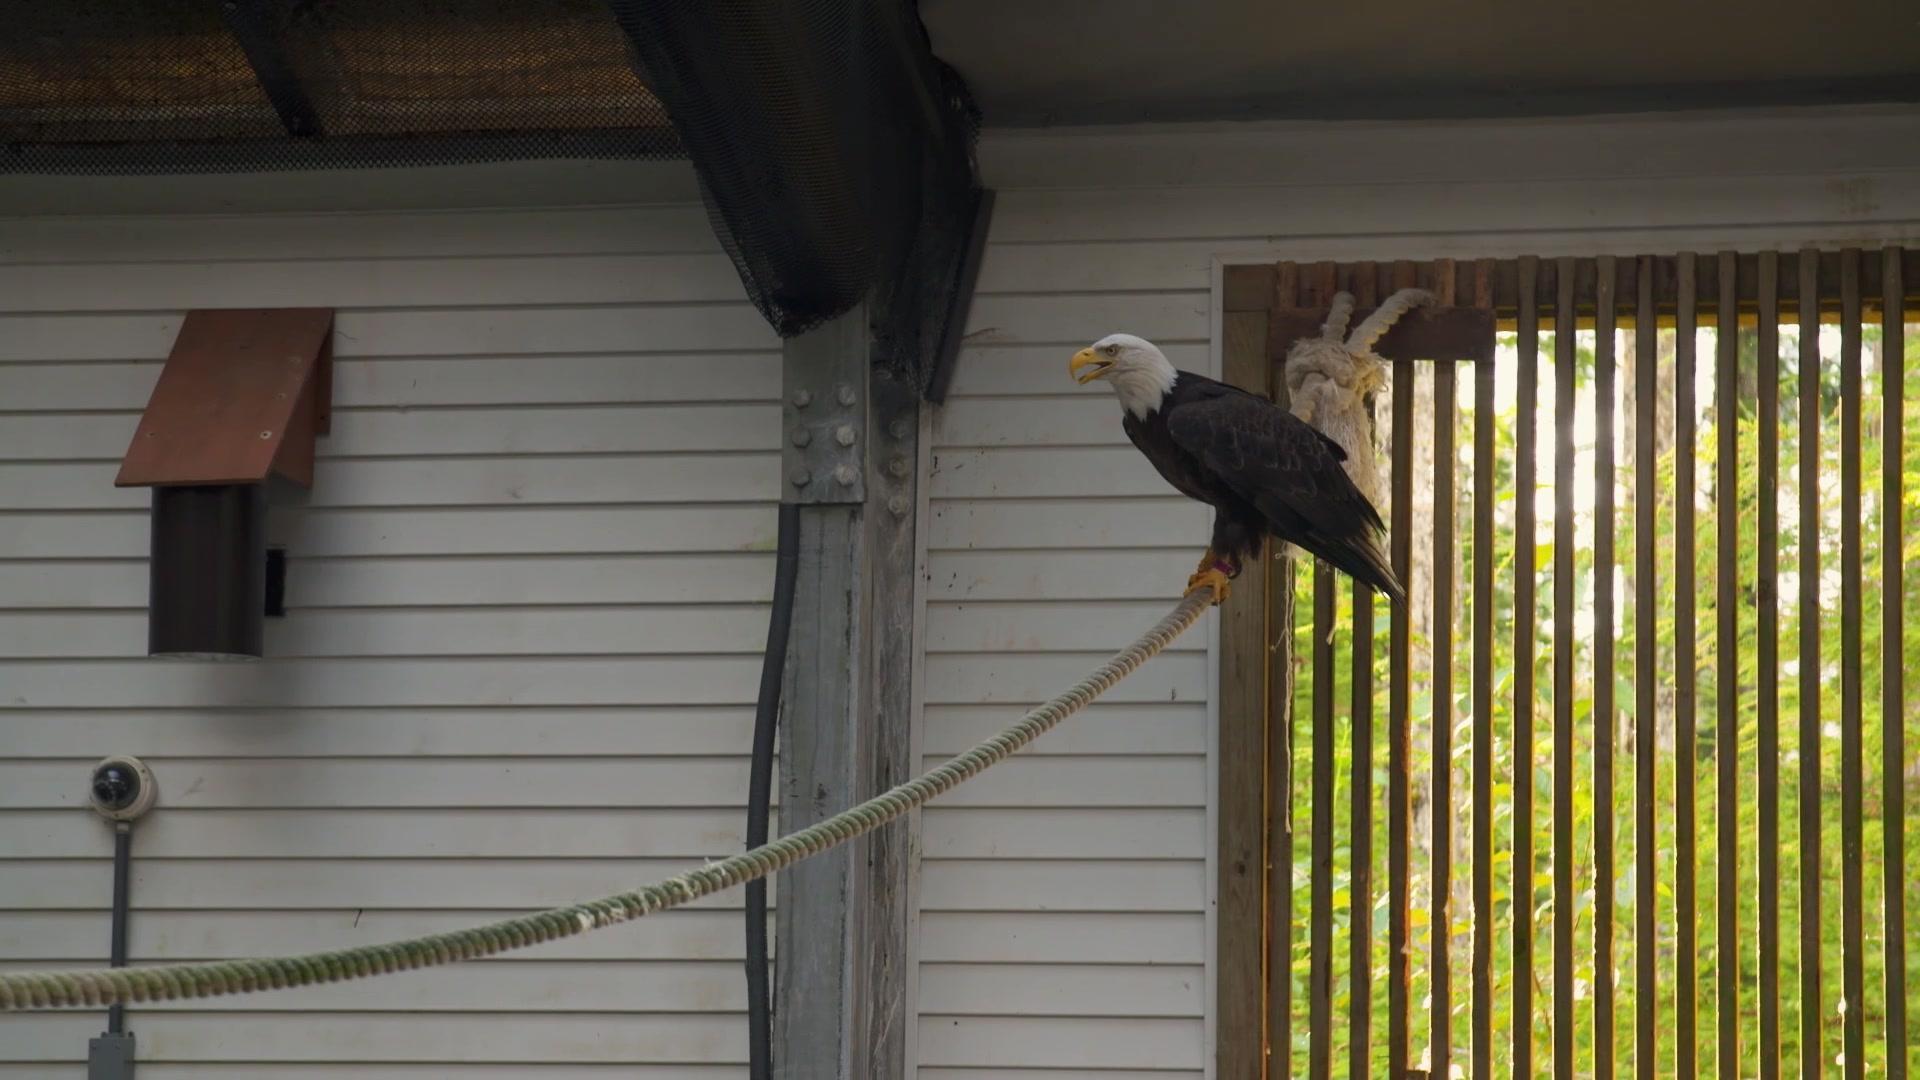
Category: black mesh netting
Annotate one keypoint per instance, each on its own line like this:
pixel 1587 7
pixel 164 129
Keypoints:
pixel 835 153
pixel 170 86
pixel 853 143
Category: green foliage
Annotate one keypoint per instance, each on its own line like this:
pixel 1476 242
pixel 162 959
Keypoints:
pixel 1737 732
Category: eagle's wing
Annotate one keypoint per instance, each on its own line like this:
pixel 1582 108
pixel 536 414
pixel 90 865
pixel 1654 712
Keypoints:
pixel 1289 471
pixel 1274 460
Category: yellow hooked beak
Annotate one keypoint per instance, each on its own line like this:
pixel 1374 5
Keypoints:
pixel 1095 365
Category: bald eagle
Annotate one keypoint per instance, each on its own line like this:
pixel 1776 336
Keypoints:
pixel 1262 469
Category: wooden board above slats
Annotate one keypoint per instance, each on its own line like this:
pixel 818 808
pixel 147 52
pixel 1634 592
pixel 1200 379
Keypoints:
pixel 1255 287
pixel 1421 334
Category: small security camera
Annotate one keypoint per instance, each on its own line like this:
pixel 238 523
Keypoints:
pixel 122 788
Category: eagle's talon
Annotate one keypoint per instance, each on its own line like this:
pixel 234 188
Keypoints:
pixel 1213 578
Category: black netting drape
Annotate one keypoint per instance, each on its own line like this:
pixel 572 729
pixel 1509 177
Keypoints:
pixel 835 152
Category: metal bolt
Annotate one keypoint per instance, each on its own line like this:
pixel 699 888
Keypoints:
pixel 266 434
pixel 900 428
pixel 899 467
pixel 801 436
pixel 898 504
pixel 844 435
pixel 799 477
pixel 802 399
pixel 845 475
pixel 846 395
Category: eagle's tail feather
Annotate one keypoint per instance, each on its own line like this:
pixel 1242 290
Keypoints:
pixel 1361 558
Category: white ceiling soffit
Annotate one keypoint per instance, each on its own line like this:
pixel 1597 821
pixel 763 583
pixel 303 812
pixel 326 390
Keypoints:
pixel 1034 62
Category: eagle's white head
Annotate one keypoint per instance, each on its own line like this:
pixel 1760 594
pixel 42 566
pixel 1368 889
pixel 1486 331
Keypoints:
pixel 1139 372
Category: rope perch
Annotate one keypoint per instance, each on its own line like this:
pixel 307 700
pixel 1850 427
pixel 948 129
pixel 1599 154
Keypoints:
pixel 97 987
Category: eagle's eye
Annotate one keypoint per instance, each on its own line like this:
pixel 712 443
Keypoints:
pixel 1113 350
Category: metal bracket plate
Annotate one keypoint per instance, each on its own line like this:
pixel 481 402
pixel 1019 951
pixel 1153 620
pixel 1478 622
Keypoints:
pixel 894 449
pixel 823 419
pixel 110 1057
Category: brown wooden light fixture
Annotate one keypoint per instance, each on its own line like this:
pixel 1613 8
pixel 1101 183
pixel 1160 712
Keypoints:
pixel 242 397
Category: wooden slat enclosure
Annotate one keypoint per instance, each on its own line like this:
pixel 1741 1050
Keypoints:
pixel 1708 586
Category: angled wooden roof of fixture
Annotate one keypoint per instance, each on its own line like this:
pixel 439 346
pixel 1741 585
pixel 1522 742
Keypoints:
pixel 242 396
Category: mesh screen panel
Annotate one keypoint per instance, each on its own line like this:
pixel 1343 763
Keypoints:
pixel 133 86
pixel 854 147
pixel 121 70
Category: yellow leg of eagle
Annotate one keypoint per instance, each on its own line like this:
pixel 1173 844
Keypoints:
pixel 1214 572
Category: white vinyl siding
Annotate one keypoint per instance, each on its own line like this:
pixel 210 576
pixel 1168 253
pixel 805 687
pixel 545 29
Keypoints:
pixel 528 588
pixel 526 605
pixel 1063 895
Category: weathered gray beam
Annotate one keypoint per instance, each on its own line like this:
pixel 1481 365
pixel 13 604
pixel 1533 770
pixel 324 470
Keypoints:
pixel 841 920
pixel 884 744
pixel 812 988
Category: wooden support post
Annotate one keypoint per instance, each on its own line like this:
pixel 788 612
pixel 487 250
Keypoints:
pixel 840 921
pixel 1240 1021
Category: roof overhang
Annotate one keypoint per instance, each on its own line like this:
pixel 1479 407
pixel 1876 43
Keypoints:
pixel 1132 61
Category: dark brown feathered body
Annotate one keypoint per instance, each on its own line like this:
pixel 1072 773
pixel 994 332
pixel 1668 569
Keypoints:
pixel 1264 471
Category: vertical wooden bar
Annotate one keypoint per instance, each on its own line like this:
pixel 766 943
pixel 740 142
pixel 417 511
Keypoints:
pixel 1360 881
pixel 1603 667
pixel 1726 720
pixel 1443 281
pixel 1360 885
pixel 1244 703
pixel 1279 746
pixel 1768 714
pixel 1483 559
pixel 1399 732
pixel 1646 396
pixel 1686 676
pixel 1366 281
pixel 1319 283
pixel 1322 281
pixel 1892 686
pixel 1320 930
pixel 1852 923
pixel 1445 415
pixel 1400 722
pixel 1563 648
pixel 1526 441
pixel 1278 966
pixel 1811 1060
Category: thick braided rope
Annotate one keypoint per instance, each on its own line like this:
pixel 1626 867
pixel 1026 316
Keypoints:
pixel 108 986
